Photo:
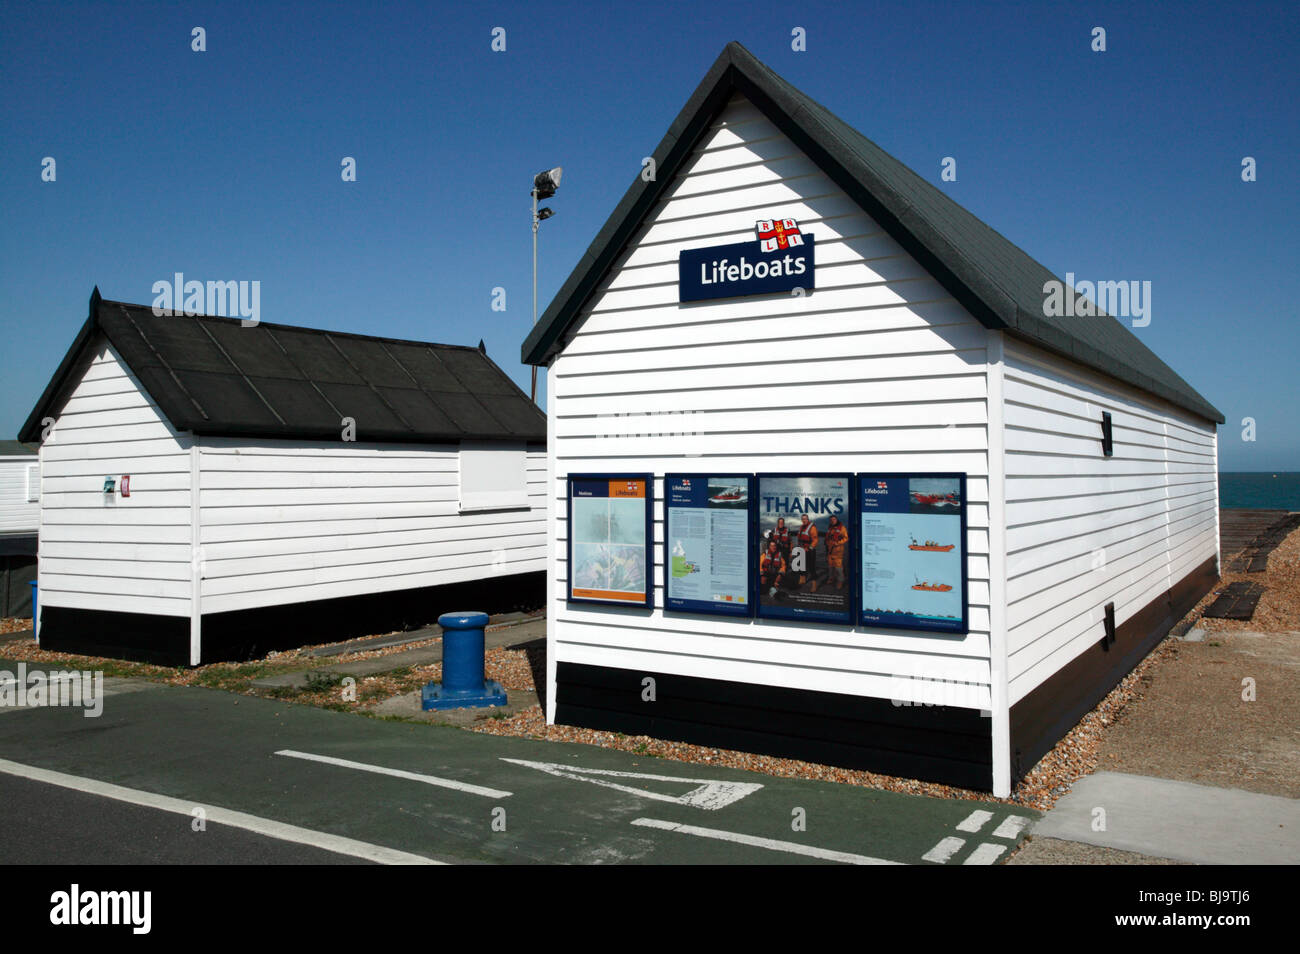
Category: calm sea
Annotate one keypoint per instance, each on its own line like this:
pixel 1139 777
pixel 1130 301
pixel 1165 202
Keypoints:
pixel 1280 491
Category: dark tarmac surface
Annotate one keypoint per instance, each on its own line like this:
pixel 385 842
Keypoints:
pixel 213 748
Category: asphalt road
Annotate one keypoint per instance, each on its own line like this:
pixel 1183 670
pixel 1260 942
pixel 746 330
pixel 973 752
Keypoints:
pixel 450 795
pixel 51 825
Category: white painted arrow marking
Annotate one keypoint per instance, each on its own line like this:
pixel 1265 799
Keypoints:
pixel 708 794
pixel 772 844
pixel 398 773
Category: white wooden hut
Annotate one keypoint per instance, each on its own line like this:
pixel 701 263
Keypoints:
pixel 921 343
pixel 20 518
pixel 210 489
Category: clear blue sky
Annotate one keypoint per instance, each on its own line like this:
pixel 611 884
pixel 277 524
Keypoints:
pixel 225 164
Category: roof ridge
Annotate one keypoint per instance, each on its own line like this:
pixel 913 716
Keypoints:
pixel 281 325
pixel 992 277
pixel 275 381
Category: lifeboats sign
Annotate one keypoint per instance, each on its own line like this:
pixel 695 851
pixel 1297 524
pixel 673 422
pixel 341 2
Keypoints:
pixel 912 551
pixel 780 259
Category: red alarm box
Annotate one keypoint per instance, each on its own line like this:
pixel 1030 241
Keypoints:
pixel 125 485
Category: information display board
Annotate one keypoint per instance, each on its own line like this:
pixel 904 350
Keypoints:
pixel 609 539
pixel 803 555
pixel 912 551
pixel 708 526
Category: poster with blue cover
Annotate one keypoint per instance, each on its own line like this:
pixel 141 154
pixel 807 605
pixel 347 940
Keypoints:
pixel 912 551
pixel 707 527
pixel 803 553
pixel 610 536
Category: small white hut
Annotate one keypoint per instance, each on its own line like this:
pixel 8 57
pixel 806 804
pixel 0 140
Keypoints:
pixel 211 489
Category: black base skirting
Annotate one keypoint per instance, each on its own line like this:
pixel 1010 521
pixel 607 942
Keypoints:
pixel 1042 718
pixel 252 633
pixel 17 573
pixel 935 743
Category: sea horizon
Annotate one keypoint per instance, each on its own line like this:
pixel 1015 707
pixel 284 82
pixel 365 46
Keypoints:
pixel 1259 489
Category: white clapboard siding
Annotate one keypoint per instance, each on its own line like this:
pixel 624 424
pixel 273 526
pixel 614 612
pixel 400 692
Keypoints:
pixel 878 369
pixel 289 521
pixel 280 521
pixel 1084 530
pixel 109 552
pixel 19 475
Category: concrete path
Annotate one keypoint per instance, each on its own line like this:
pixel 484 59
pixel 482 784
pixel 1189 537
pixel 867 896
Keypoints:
pixel 502 621
pixel 423 656
pixel 408 706
pixel 1178 820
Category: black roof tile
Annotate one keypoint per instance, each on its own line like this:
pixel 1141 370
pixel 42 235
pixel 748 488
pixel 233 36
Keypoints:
pixel 217 376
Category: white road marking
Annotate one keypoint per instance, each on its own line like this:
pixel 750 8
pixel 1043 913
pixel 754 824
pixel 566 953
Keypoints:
pixel 941 852
pixel 1012 827
pixel 772 844
pixel 220 816
pixel 708 795
pixel 974 821
pixel 399 773
pixel 985 854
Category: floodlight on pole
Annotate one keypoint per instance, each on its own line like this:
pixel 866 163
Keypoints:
pixel 544 185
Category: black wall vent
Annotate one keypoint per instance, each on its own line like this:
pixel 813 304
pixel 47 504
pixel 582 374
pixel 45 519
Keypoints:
pixel 1107 437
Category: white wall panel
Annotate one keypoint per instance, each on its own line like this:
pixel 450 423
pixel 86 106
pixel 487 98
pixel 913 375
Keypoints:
pixel 878 369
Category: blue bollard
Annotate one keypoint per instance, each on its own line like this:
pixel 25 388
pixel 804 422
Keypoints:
pixel 32 584
pixel 463 685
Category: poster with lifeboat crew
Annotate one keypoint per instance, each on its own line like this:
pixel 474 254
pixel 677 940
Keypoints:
pixel 912 551
pixel 804 554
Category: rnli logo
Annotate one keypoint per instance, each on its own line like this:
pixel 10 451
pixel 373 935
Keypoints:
pixel 779 259
pixel 778 234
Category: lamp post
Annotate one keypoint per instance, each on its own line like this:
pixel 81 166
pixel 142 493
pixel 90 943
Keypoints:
pixel 544 186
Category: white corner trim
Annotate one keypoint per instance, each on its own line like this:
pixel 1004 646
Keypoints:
pixel 1001 711
pixel 196 557
pixel 551 555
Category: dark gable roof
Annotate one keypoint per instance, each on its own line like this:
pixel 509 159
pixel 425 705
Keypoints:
pixel 213 376
pixel 997 282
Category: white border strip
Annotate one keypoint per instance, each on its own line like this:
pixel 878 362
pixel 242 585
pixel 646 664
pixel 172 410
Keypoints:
pixel 399 773
pixel 985 854
pixel 974 821
pixel 941 853
pixel 772 844
pixel 1012 827
pixel 220 816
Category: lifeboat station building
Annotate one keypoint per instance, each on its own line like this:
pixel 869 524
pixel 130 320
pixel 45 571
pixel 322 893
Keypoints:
pixel 830 478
